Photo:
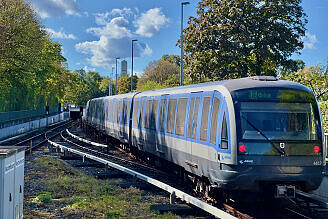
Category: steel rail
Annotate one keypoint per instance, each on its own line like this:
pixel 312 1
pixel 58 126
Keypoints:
pixel 108 155
pixel 178 193
pixel 312 199
pixel 86 141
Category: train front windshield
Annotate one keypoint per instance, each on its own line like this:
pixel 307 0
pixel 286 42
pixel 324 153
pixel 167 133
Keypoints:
pixel 278 122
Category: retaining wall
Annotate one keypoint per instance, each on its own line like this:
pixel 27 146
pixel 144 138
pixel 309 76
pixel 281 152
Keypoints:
pixel 35 124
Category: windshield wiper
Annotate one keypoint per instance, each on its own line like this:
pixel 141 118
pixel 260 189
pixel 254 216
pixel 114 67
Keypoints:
pixel 274 146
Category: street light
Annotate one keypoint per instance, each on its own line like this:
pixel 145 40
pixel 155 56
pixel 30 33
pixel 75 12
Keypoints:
pixel 181 40
pixel 132 65
pixel 110 82
pixel 116 75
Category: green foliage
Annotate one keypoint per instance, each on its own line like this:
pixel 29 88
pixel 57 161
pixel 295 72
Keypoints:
pixel 113 213
pixel 124 84
pixel 160 74
pixel 171 58
pixel 237 38
pixel 85 86
pixel 44 197
pixel 32 69
pixel 314 77
pixel 324 115
pixel 150 85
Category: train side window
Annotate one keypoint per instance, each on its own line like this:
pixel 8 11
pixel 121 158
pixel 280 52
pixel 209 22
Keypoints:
pixel 141 113
pixel 153 115
pixel 214 120
pixel 106 110
pixel 111 111
pixel 191 113
pixel 116 110
pixel 127 112
pixel 194 124
pixel 204 121
pixel 181 116
pixel 119 112
pixel 123 112
pixel 224 134
pixel 147 114
pixel 171 115
pixel 162 115
pixel 135 112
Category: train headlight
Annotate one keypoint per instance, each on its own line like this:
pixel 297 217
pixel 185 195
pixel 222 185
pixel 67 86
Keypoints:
pixel 242 148
pixel 316 149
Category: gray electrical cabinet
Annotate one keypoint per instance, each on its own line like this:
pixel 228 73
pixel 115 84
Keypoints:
pixel 11 182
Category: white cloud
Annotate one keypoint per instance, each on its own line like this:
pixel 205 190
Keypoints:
pixel 114 41
pixel 87 69
pixel 50 8
pixel 104 18
pixel 121 12
pixel 309 41
pixel 101 18
pixel 115 29
pixel 151 22
pixel 60 34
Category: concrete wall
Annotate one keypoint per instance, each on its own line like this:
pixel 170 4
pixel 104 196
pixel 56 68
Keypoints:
pixel 35 124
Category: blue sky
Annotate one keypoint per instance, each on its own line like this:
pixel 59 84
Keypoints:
pixel 93 33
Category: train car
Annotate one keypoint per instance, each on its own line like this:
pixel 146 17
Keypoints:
pixel 245 134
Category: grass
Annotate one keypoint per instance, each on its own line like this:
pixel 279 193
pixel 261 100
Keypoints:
pixel 82 196
pixel 44 197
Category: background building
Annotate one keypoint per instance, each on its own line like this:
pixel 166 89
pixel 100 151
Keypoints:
pixel 124 68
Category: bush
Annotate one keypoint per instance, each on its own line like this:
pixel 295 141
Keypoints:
pixel 44 197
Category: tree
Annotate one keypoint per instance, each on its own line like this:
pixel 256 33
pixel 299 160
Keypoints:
pixel 124 84
pixel 314 77
pixel 104 86
pixel 237 38
pixel 33 73
pixel 171 58
pixel 159 72
pixel 150 85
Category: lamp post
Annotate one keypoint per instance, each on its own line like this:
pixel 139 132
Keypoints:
pixel 116 74
pixel 181 40
pixel 110 82
pixel 132 65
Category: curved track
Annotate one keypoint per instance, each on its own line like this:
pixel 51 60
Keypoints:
pixel 143 172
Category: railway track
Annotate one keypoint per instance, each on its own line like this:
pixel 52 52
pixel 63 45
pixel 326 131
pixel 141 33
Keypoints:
pixel 101 153
pixel 125 163
pixel 38 138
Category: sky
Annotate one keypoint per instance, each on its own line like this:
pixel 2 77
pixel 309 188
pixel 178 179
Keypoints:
pixel 93 33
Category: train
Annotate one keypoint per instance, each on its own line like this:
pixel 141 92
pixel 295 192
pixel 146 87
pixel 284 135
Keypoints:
pixel 249 134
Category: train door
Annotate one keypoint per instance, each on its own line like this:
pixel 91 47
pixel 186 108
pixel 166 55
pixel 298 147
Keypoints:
pixel 140 125
pixel 192 112
pixel 214 126
pixel 224 148
pixel 161 140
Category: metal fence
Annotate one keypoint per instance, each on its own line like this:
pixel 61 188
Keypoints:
pixel 17 117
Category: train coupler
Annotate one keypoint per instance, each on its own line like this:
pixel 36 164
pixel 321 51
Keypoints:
pixel 285 191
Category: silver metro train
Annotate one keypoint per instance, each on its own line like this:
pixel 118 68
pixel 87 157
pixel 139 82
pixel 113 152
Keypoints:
pixel 244 134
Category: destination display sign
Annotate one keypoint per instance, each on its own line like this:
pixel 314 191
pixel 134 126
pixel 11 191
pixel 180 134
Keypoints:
pixel 272 94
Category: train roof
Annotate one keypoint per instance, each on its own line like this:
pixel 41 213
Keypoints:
pixel 232 85
pixel 229 85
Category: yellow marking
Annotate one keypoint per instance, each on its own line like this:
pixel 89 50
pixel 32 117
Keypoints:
pixel 327 159
pixel 46 150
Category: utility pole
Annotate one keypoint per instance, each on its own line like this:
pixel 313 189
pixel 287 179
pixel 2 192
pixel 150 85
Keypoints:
pixel 116 75
pixel 132 65
pixel 181 40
